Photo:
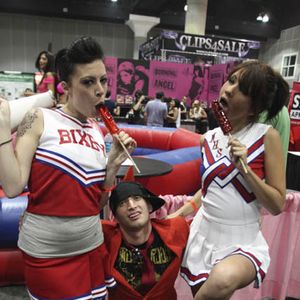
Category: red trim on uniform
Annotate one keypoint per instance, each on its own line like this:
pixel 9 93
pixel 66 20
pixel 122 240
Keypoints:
pixel 248 197
pixel 256 261
pixel 68 166
pixel 256 145
pixel 208 154
pixel 211 176
pixel 192 277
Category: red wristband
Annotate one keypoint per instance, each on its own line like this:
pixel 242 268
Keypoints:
pixel 193 204
pixel 107 189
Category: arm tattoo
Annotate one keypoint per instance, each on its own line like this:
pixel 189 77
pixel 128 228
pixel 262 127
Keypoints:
pixel 26 123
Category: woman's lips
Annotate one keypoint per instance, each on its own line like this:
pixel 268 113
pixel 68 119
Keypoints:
pixel 223 103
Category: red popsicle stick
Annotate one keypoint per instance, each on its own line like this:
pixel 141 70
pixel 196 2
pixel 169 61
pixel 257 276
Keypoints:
pixel 113 129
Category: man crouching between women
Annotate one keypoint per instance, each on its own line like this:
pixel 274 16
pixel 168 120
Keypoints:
pixel 145 254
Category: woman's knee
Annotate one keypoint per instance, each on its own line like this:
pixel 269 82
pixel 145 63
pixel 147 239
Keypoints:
pixel 233 275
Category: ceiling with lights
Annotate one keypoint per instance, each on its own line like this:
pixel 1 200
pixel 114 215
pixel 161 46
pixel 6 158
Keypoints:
pixel 231 18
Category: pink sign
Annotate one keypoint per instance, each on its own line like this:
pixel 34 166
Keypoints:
pixel 216 80
pixel 111 70
pixel 171 78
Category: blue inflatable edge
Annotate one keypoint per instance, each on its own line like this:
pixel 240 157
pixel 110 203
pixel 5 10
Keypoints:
pixel 178 156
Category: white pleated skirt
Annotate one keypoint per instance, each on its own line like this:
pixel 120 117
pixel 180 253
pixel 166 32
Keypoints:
pixel 210 242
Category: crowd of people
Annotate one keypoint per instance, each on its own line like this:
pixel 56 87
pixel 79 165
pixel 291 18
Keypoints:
pixel 69 253
pixel 162 111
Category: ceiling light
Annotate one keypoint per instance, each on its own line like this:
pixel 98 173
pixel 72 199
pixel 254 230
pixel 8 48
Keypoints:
pixel 186 7
pixel 265 18
pixel 114 0
pixel 259 17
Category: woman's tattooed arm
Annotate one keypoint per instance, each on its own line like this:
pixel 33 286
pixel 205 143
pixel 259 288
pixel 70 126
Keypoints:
pixel 27 122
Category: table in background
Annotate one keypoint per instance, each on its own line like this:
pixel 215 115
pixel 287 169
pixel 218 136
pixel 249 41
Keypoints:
pixel 148 167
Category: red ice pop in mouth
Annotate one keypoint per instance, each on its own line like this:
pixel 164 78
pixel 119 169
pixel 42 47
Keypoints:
pixel 107 119
pixel 221 117
pixel 224 124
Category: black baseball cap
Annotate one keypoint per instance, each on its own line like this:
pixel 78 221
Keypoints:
pixel 125 189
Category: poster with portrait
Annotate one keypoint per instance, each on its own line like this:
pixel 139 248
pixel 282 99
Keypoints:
pixel 171 78
pixel 111 71
pixel 132 75
pixel 199 83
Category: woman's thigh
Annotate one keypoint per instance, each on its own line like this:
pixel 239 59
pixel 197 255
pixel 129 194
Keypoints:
pixel 235 271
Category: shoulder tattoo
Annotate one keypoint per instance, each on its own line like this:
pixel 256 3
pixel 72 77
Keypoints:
pixel 27 122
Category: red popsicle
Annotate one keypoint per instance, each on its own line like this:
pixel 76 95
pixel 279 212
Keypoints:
pixel 108 119
pixel 224 124
pixel 113 128
pixel 221 117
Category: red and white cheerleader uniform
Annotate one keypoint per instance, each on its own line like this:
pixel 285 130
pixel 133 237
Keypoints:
pixel 60 237
pixel 228 221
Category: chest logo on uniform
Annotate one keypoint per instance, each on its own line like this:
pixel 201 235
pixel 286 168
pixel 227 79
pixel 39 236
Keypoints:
pixel 77 136
pixel 218 167
pixel 215 146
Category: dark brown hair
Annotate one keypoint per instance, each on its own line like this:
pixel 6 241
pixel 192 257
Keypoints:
pixel 266 88
pixel 81 51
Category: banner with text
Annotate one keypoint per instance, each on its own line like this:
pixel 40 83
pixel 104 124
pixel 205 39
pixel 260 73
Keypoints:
pixel 208 45
pixel 172 78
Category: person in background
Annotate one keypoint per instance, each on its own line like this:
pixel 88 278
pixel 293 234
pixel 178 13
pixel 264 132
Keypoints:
pixel 199 115
pixel 184 110
pixel 173 117
pixel 145 254
pixel 281 122
pixel 61 155
pixel 226 249
pixel 45 78
pixel 156 111
pixel 136 113
pixel 109 104
pixel 117 110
